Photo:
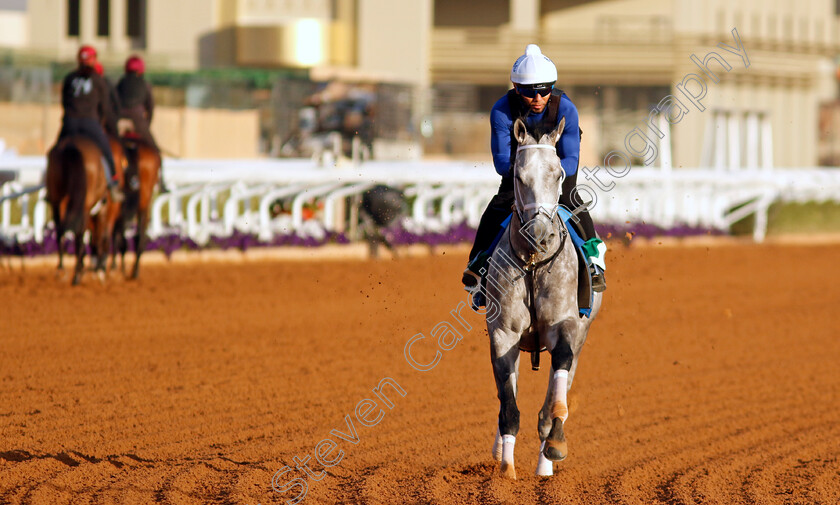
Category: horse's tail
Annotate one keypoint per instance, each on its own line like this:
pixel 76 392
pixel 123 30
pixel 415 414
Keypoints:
pixel 74 178
pixel 132 184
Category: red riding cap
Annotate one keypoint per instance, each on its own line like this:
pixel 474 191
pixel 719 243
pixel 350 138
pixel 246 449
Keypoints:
pixel 86 56
pixel 135 65
pixel 98 68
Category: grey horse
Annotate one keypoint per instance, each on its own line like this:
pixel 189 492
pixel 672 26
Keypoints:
pixel 531 292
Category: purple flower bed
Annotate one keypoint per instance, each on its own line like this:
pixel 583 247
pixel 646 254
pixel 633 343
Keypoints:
pixel 397 235
pixel 649 231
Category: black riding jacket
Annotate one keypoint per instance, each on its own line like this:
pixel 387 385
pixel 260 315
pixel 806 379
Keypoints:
pixel 135 92
pixel 84 94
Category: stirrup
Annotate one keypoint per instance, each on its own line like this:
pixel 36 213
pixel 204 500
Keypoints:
pixel 599 282
pixel 478 299
pixel 470 280
pixel 472 274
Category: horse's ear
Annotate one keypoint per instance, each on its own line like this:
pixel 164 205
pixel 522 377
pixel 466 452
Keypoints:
pixel 554 136
pixel 520 132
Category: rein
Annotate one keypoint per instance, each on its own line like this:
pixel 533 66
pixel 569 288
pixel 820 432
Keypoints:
pixel 530 265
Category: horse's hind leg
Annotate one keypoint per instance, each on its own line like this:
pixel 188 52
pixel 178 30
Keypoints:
pixel 80 256
pixel 59 237
pixel 100 237
pixel 140 240
pixel 505 371
pixel 119 244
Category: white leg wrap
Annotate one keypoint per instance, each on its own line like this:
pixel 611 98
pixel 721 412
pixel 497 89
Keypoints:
pixel 497 446
pixel 545 468
pixel 507 449
pixel 559 407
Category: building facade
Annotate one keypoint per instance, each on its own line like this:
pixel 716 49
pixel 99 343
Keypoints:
pixel 617 59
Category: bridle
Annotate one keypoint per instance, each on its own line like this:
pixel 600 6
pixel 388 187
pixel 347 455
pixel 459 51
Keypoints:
pixel 547 209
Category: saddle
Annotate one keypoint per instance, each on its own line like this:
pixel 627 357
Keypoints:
pixel 125 127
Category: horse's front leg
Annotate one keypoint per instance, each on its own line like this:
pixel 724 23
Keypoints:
pixel 505 359
pixel 545 422
pixel 555 409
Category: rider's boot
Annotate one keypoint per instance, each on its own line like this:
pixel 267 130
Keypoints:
pixel 473 279
pixel 472 274
pixel 595 249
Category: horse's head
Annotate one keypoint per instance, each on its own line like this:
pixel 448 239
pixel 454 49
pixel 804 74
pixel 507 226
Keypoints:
pixel 538 177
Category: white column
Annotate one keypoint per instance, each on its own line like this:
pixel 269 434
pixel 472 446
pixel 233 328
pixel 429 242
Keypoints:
pixel 752 141
pixel 734 124
pixel 664 143
pixel 118 41
pixel 524 15
pixel 720 141
pixel 766 143
pixel 87 20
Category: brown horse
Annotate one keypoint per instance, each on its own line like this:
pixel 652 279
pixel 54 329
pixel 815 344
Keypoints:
pixel 77 193
pixel 141 176
pixel 113 209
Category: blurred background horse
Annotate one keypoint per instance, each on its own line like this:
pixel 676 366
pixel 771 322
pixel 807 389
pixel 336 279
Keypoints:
pixel 382 206
pixel 77 193
pixel 141 176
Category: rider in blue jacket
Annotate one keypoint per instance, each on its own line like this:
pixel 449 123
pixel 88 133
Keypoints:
pixel 541 106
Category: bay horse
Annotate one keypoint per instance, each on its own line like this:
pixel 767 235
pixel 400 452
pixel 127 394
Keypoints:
pixel 77 193
pixel 141 176
pixel 532 286
pixel 114 209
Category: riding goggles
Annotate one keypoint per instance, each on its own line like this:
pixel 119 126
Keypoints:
pixel 532 90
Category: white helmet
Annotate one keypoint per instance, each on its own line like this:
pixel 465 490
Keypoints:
pixel 533 67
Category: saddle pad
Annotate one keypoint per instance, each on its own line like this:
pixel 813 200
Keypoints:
pixel 585 293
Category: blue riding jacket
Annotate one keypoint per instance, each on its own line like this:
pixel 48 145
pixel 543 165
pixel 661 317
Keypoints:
pixel 501 125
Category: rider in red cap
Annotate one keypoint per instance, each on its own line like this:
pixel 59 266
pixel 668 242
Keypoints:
pixel 135 95
pixel 84 97
pixel 113 112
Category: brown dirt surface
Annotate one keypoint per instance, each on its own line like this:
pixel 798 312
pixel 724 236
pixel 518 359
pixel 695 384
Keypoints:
pixel 711 377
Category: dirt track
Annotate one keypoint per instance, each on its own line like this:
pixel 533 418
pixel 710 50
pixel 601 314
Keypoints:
pixel 710 377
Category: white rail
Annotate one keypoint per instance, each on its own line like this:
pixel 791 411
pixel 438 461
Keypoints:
pixel 217 197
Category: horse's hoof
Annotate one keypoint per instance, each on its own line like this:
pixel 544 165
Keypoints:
pixel 101 275
pixel 556 450
pixel 508 471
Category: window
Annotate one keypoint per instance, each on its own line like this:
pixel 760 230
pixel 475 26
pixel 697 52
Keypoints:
pixel 73 18
pixel 103 20
pixel 136 19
